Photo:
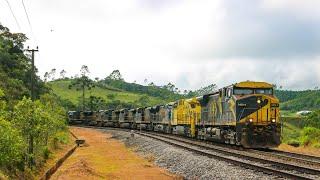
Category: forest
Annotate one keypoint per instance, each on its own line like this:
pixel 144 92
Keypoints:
pixel 29 129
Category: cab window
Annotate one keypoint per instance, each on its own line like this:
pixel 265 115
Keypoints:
pixel 263 91
pixel 229 93
pixel 242 91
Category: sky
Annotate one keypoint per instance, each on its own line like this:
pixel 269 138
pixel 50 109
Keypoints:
pixel 189 43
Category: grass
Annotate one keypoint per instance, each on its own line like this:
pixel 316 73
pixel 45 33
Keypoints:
pixel 61 88
pixel 295 133
pixel 285 113
pixel 291 130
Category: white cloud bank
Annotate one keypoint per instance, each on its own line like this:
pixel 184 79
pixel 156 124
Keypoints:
pixel 189 43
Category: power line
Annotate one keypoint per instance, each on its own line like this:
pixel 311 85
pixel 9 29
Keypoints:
pixel 13 15
pixel 26 12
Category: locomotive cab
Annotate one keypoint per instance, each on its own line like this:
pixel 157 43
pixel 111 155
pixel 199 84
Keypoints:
pixel 257 114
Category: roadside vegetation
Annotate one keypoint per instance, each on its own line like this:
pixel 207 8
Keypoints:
pixel 29 130
pixel 302 131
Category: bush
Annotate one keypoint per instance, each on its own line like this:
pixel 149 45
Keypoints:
pixel 11 146
pixel 313 119
pixel 310 136
pixel 46 153
pixel 317 145
pixel 294 142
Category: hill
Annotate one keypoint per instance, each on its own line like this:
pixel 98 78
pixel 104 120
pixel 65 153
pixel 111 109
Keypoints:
pixel 121 94
pixel 299 100
pixel 118 92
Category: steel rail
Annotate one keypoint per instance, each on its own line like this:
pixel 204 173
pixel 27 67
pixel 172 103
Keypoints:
pixel 259 168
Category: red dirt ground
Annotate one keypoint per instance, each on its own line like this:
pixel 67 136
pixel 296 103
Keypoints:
pixel 301 150
pixel 104 158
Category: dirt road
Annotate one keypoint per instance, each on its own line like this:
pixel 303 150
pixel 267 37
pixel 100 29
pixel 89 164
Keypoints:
pixel 105 158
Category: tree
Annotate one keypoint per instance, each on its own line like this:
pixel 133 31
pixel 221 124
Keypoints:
pixel 82 83
pixel 143 101
pixel 206 90
pixel 111 96
pixel 11 142
pixel 15 68
pixel 313 119
pixel 37 121
pixel 63 74
pixel 115 75
pixel 96 103
pixel 151 84
pixel 11 146
pixel 53 74
pixel 46 76
pixel 84 71
pixel 171 87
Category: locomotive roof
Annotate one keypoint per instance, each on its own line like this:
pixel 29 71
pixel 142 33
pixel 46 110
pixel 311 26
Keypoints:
pixel 253 84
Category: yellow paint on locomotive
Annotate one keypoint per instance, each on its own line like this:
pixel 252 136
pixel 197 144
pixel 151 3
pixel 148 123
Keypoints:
pixel 266 114
pixel 232 106
pixel 253 84
pixel 187 112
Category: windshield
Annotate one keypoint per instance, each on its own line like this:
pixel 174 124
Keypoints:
pixel 252 91
pixel 242 91
pixel 263 91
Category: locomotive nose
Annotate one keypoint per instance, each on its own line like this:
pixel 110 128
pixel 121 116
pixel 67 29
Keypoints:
pixel 252 109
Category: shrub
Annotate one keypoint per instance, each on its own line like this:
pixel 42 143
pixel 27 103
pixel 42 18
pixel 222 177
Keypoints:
pixel 313 120
pixel 46 153
pixel 310 136
pixel 11 145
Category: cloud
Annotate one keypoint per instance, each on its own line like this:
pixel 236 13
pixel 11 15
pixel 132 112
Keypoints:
pixel 189 43
pixel 257 30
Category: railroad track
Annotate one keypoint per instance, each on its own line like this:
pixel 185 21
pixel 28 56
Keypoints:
pixel 296 155
pixel 258 164
pixel 248 158
pixel 295 158
pixel 301 159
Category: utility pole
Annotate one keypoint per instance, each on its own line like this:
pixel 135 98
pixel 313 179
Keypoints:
pixel 32 71
pixel 31 160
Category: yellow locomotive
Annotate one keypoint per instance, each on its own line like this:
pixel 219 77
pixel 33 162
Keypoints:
pixel 245 113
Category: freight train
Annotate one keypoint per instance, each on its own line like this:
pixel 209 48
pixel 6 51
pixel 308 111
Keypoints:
pixel 245 114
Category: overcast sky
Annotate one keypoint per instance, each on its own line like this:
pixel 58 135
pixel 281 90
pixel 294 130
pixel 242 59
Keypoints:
pixel 188 43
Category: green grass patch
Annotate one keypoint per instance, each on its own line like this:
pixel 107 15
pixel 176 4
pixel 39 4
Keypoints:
pixel 61 88
pixel 296 133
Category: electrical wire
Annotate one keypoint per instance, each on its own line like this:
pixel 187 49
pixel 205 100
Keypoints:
pixel 15 18
pixel 26 12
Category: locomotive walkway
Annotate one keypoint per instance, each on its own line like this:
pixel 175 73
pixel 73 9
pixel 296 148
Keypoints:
pixel 104 158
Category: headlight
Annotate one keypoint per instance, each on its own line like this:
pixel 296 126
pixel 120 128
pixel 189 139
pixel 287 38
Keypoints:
pixel 273 120
pixel 259 101
pixel 250 120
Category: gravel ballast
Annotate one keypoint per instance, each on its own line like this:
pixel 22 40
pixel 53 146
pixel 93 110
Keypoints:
pixel 185 163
